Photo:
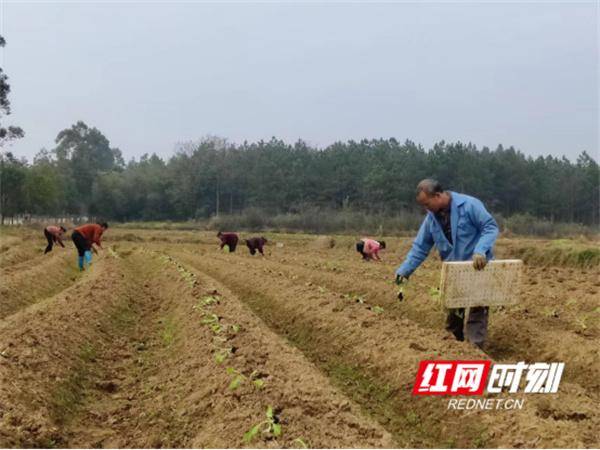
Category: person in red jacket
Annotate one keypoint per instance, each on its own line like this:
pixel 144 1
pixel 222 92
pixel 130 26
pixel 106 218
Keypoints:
pixel 54 235
pixel 228 239
pixel 84 237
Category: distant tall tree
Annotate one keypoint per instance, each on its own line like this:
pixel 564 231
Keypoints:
pixel 13 173
pixel 7 133
pixel 83 153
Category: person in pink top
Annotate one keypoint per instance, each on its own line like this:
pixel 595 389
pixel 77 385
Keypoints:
pixel 369 248
pixel 54 235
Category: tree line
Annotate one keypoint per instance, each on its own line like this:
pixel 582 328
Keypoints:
pixel 84 175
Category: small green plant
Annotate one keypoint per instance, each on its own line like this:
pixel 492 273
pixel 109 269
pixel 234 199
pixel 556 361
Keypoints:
pixel 354 298
pixel 222 355
pixel 209 300
pixel 238 378
pixel 300 442
pixel 481 440
pixel 436 296
pixel 434 293
pixel 581 322
pixel 212 321
pixel 412 418
pixel 270 426
pixel 88 352
pixel 235 329
pixel 377 309
pixel 400 294
pixel 256 380
pixel 168 332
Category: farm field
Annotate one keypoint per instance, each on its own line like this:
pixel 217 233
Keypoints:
pixel 168 342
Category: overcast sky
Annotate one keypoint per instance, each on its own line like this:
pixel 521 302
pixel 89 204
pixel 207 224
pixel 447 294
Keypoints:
pixel 149 75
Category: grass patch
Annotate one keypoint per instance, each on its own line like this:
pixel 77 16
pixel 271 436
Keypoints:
pixel 122 317
pixel 167 334
pixel 562 252
pixel 70 393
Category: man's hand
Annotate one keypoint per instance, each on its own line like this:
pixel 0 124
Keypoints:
pixel 94 249
pixel 479 261
pixel 400 279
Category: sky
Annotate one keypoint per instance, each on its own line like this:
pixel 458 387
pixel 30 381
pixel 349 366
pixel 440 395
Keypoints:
pixel 150 75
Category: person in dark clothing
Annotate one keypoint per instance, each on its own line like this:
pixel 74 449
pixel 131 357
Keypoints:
pixel 228 239
pixel 84 237
pixel 256 243
pixel 54 235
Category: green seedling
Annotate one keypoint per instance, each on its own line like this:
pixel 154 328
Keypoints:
pixel 354 298
pixel 270 426
pixel 300 442
pixel 258 382
pixel 321 289
pixel 206 301
pixel 436 296
pixel 237 380
pixel 210 318
pixel 581 322
pixel 401 293
pixel 222 355
pixel 412 418
pixel 377 309
pixel 434 293
pixel 235 329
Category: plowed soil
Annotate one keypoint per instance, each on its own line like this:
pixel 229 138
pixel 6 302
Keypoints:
pixel 168 342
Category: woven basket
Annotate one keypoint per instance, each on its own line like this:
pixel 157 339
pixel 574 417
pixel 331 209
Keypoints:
pixel 498 284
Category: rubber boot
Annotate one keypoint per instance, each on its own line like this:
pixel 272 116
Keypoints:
pixel 80 262
pixel 88 257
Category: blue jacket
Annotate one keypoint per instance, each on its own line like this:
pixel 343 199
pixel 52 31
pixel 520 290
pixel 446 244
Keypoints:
pixel 474 230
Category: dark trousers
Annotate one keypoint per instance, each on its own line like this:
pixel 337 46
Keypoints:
pixel 477 324
pixel 81 243
pixel 50 241
pixel 360 247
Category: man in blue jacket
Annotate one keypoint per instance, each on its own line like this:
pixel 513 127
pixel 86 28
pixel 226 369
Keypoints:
pixel 462 230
